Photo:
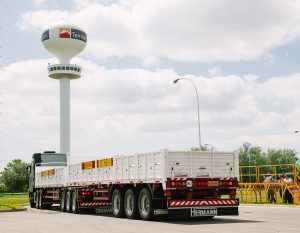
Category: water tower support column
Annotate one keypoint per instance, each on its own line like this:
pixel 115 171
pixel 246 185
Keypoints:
pixel 65 115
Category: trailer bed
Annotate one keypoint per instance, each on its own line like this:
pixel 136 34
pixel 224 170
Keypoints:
pixel 154 167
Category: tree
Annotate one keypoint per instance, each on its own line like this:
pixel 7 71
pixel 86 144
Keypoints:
pixel 251 155
pixel 282 156
pixel 3 188
pixel 15 176
pixel 279 156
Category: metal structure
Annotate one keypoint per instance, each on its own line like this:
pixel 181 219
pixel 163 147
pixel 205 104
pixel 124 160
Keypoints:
pixel 257 173
pixel 259 192
pixel 64 42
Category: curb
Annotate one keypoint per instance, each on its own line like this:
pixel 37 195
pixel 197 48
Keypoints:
pixel 269 205
pixel 13 210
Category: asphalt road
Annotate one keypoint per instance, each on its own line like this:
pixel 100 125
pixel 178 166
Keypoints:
pixel 263 219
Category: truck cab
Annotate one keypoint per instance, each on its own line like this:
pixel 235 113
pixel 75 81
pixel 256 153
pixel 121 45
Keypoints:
pixel 39 162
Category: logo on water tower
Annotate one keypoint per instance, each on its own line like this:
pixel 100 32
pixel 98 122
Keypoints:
pixel 65 33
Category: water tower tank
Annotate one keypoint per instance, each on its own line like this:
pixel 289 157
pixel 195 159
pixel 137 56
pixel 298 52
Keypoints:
pixel 64 41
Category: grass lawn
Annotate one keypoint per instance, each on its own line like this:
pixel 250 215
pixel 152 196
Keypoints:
pixel 13 201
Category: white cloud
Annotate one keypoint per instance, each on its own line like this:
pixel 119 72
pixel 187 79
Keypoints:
pixel 151 61
pixel 136 110
pixel 191 30
pixel 42 18
pixel 214 71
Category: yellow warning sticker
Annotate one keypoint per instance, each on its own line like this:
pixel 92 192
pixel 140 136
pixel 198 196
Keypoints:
pixel 105 162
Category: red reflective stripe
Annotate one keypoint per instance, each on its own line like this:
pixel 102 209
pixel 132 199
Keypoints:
pixel 199 203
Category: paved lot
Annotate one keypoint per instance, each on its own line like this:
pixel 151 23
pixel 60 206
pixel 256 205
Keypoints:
pixel 263 219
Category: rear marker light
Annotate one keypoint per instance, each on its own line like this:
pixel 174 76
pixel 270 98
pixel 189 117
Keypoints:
pixel 168 194
pixel 202 183
pixel 178 183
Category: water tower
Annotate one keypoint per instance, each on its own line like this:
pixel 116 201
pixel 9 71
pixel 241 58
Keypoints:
pixel 64 42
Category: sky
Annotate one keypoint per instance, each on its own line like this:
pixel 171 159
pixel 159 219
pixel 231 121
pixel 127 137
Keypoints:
pixel 243 57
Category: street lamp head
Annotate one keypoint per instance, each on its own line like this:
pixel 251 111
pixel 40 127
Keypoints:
pixel 297 131
pixel 176 80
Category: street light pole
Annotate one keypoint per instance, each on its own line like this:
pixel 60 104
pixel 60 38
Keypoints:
pixel 198 108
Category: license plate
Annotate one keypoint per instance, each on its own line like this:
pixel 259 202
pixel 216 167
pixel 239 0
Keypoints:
pixel 225 196
pixel 213 183
pixel 198 212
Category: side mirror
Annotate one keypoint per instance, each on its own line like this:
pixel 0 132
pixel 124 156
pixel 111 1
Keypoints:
pixel 28 168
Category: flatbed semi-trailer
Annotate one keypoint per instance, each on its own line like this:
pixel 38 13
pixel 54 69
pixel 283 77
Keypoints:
pixel 173 183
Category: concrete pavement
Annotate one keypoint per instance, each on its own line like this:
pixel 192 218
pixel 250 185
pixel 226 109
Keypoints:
pixel 264 219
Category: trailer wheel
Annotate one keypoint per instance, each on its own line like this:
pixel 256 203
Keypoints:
pixel 130 204
pixel 63 201
pixel 69 202
pixel 75 209
pixel 117 204
pixel 145 205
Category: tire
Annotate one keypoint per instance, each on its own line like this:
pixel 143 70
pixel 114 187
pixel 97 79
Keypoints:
pixel 117 204
pixel 145 205
pixel 31 198
pixel 32 204
pixel 69 202
pixel 40 200
pixel 130 204
pixel 63 201
pixel 74 203
pixel 37 195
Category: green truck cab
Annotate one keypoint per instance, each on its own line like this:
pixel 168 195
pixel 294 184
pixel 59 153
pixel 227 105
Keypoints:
pixel 45 159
